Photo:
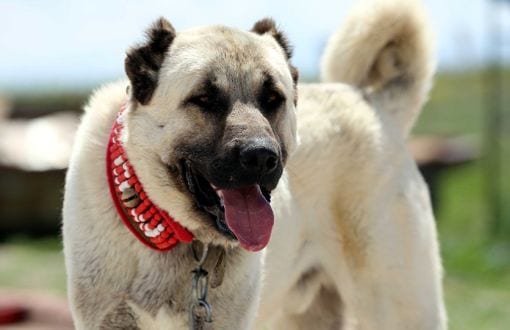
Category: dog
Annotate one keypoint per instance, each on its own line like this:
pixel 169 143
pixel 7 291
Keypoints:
pixel 211 151
pixel 355 243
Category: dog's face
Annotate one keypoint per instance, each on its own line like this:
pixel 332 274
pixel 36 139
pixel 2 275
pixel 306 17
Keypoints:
pixel 211 124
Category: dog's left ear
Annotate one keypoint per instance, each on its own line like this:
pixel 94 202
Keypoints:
pixel 143 62
pixel 268 25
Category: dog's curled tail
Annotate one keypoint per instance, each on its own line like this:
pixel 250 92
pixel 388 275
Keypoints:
pixel 385 48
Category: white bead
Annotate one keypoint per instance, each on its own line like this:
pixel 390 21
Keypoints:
pixel 124 185
pixel 118 161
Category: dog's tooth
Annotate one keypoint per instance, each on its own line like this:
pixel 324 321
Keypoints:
pixel 189 179
pixel 220 195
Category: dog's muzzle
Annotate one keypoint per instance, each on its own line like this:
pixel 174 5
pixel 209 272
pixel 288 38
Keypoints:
pixel 234 189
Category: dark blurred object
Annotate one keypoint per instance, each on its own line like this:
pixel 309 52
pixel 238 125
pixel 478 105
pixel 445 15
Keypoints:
pixel 41 104
pixel 31 311
pixel 30 202
pixel 5 108
pixel 10 314
pixel 33 157
pixel 436 155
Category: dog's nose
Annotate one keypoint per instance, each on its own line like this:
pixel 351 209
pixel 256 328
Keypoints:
pixel 260 159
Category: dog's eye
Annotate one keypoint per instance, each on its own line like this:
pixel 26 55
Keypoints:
pixel 202 101
pixel 271 100
pixel 208 98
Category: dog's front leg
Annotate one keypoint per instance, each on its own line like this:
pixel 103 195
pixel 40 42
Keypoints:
pixel 394 274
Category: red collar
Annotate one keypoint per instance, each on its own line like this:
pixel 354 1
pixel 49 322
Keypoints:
pixel 152 226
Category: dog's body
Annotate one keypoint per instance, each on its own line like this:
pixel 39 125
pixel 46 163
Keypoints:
pixel 354 243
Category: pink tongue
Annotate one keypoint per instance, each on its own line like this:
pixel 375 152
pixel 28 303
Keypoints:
pixel 249 216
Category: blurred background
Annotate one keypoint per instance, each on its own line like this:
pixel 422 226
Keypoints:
pixel 54 53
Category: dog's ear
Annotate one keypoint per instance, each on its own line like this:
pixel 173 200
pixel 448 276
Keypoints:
pixel 143 61
pixel 268 25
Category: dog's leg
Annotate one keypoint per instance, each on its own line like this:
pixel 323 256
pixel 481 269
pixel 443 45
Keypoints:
pixel 390 253
pixel 325 312
pixel 121 317
pixel 386 231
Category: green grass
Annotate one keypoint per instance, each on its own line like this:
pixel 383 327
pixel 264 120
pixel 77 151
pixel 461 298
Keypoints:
pixel 477 266
pixel 33 264
pixel 477 263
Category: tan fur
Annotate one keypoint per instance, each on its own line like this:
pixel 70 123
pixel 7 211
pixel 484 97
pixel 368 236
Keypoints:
pixel 353 203
pixel 381 46
pixel 354 244
pixel 111 276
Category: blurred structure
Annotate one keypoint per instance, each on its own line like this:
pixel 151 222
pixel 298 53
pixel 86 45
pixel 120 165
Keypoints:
pixel 5 108
pixel 436 155
pixel 33 157
pixel 29 311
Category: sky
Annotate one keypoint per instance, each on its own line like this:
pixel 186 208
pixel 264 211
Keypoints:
pixel 79 44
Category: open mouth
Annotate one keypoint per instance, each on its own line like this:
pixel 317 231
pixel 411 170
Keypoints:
pixel 241 213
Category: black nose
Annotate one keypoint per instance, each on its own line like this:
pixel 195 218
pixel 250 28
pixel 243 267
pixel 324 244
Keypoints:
pixel 259 159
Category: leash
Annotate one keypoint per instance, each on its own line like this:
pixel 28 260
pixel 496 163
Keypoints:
pixel 200 311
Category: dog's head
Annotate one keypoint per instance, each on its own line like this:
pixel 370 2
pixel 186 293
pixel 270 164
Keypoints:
pixel 210 126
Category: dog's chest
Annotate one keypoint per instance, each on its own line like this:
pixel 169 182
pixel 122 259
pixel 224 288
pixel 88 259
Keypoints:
pixel 160 294
pixel 164 318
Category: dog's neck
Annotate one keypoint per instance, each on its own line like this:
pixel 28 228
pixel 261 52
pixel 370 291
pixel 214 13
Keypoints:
pixel 150 224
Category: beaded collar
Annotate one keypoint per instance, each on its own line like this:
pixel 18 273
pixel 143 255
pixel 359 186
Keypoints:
pixel 150 224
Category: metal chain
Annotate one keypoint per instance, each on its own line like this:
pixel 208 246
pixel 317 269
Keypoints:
pixel 199 311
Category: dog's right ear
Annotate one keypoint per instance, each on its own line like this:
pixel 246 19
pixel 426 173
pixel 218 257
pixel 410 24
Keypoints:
pixel 143 62
pixel 268 25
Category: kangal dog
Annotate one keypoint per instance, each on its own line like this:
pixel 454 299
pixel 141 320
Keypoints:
pixel 211 151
